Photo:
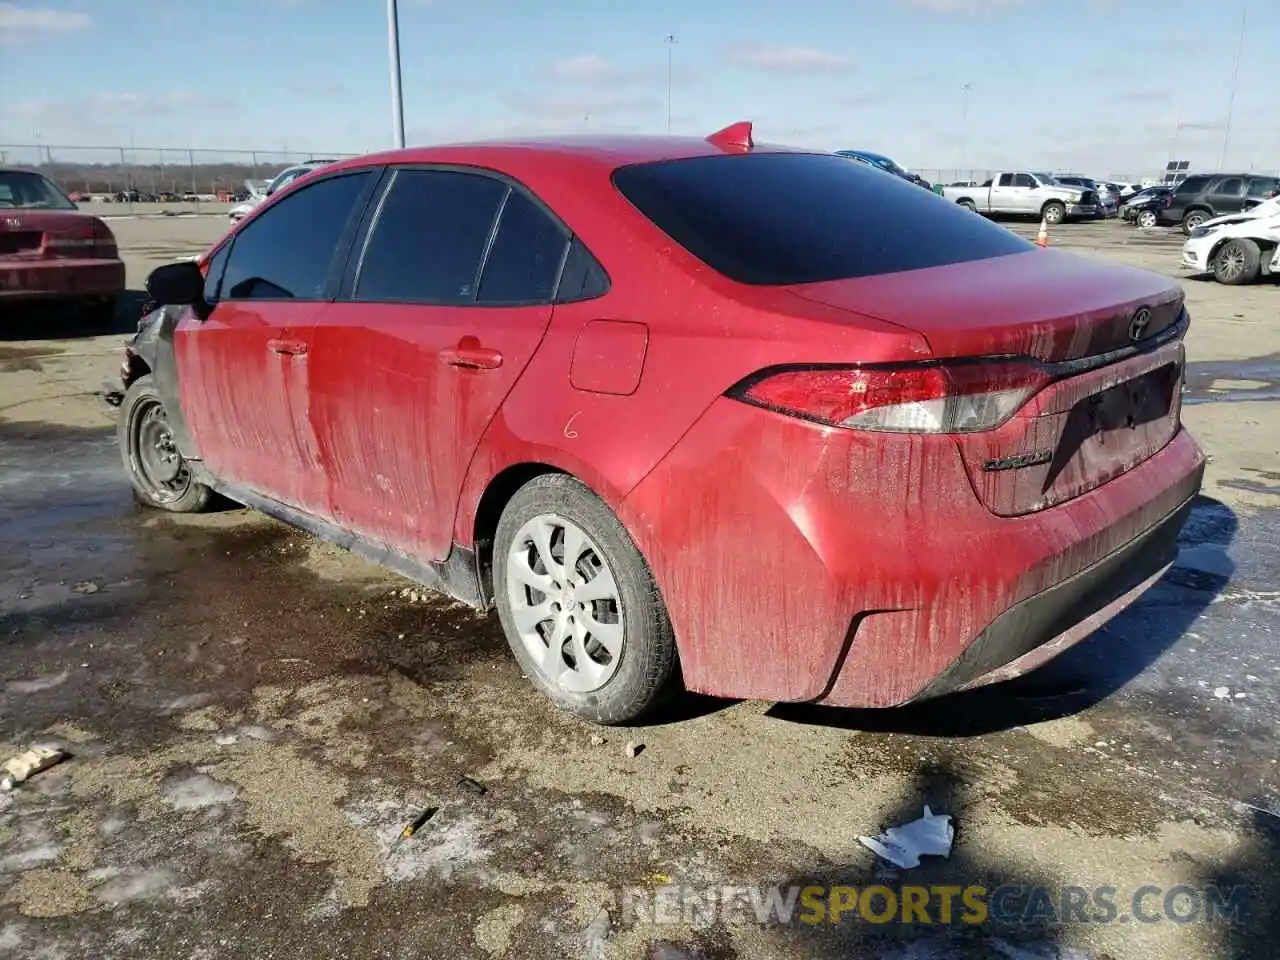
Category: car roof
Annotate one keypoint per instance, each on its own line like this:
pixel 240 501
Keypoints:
pixel 605 152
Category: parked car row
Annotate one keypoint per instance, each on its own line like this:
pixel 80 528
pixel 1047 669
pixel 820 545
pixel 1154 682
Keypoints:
pixel 1201 198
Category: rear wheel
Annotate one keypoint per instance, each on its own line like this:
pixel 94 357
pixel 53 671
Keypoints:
pixel 160 475
pixel 1054 212
pixel 1147 218
pixel 578 604
pixel 1193 219
pixel 1237 261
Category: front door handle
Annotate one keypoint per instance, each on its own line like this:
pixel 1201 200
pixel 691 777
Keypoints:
pixel 471 355
pixel 290 348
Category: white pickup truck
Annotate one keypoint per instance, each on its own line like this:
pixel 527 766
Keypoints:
pixel 1027 194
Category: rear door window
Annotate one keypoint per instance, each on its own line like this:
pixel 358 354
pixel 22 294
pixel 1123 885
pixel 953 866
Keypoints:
pixel 525 258
pixel 1191 186
pixel 1231 188
pixel 1261 188
pixel 286 252
pixel 787 218
pixel 429 238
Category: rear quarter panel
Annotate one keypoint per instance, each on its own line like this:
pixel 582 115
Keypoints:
pixel 704 335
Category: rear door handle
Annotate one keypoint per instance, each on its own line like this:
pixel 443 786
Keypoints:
pixel 292 348
pixel 469 354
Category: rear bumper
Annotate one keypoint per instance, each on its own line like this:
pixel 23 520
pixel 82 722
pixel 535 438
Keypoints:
pixel 1083 210
pixel 800 563
pixel 1039 628
pixel 59 279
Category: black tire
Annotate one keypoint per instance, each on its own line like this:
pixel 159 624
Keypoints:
pixel 968 205
pixel 140 428
pixel 1147 219
pixel 1053 212
pixel 646 673
pixel 1192 219
pixel 100 312
pixel 1237 262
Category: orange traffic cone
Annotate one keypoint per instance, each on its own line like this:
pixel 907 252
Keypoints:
pixel 1042 238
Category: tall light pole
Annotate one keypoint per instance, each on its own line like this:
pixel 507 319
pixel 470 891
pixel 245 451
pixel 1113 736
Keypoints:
pixel 393 56
pixel 1235 76
pixel 670 41
pixel 965 88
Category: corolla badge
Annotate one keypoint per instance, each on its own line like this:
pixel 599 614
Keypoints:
pixel 1138 325
pixel 13 223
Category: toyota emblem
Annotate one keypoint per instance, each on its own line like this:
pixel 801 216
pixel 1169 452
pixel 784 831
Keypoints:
pixel 1138 325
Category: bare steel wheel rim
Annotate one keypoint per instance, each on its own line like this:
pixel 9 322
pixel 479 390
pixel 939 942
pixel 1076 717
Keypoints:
pixel 1231 262
pixel 1053 214
pixel 565 603
pixel 1146 219
pixel 159 466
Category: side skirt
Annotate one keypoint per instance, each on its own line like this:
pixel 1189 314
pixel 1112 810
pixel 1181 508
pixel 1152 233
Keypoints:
pixel 456 576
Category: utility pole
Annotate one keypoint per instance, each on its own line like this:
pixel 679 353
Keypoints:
pixel 393 56
pixel 1235 77
pixel 965 88
pixel 670 41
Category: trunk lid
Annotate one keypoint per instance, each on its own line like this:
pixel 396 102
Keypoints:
pixel 54 234
pixel 1042 304
pixel 1101 413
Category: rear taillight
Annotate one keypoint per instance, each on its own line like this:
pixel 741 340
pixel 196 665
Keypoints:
pixel 957 397
pixel 91 240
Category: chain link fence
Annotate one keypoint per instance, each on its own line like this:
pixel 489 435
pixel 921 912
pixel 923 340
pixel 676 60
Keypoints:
pixel 140 176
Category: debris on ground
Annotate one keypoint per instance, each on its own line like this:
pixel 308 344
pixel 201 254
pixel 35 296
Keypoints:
pixel 226 739
pixel 903 846
pixel 1221 693
pixel 596 933
pixel 26 765
pixel 418 822
pixel 597 740
pixel 86 586
pixel 633 749
pixel 472 786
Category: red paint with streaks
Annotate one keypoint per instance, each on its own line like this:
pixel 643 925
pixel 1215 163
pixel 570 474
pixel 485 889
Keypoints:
pixel 773 539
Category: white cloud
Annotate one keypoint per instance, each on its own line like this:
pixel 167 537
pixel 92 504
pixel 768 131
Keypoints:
pixel 583 68
pixel 788 59
pixel 27 20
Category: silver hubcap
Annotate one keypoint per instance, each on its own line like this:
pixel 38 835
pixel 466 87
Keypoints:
pixel 1231 262
pixel 1147 219
pixel 1053 214
pixel 565 603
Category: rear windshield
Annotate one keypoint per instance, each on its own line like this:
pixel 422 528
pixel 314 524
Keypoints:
pixel 779 218
pixel 24 190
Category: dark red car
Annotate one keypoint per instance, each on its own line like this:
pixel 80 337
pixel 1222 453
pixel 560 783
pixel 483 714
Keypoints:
pixel 764 421
pixel 49 250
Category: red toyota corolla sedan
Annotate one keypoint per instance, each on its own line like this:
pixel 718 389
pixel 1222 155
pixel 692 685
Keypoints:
pixel 765 422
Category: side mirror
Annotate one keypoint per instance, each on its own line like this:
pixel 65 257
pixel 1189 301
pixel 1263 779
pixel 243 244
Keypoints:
pixel 176 284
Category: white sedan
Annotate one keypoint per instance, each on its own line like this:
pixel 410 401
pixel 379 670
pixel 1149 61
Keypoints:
pixel 1238 248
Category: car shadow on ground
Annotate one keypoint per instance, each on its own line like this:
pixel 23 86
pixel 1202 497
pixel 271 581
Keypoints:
pixel 41 321
pixel 1080 677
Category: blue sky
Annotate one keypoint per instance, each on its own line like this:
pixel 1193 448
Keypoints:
pixel 1095 85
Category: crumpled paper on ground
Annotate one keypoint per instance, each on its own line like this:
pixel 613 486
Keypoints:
pixel 903 846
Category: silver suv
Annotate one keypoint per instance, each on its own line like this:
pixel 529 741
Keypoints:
pixel 282 179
